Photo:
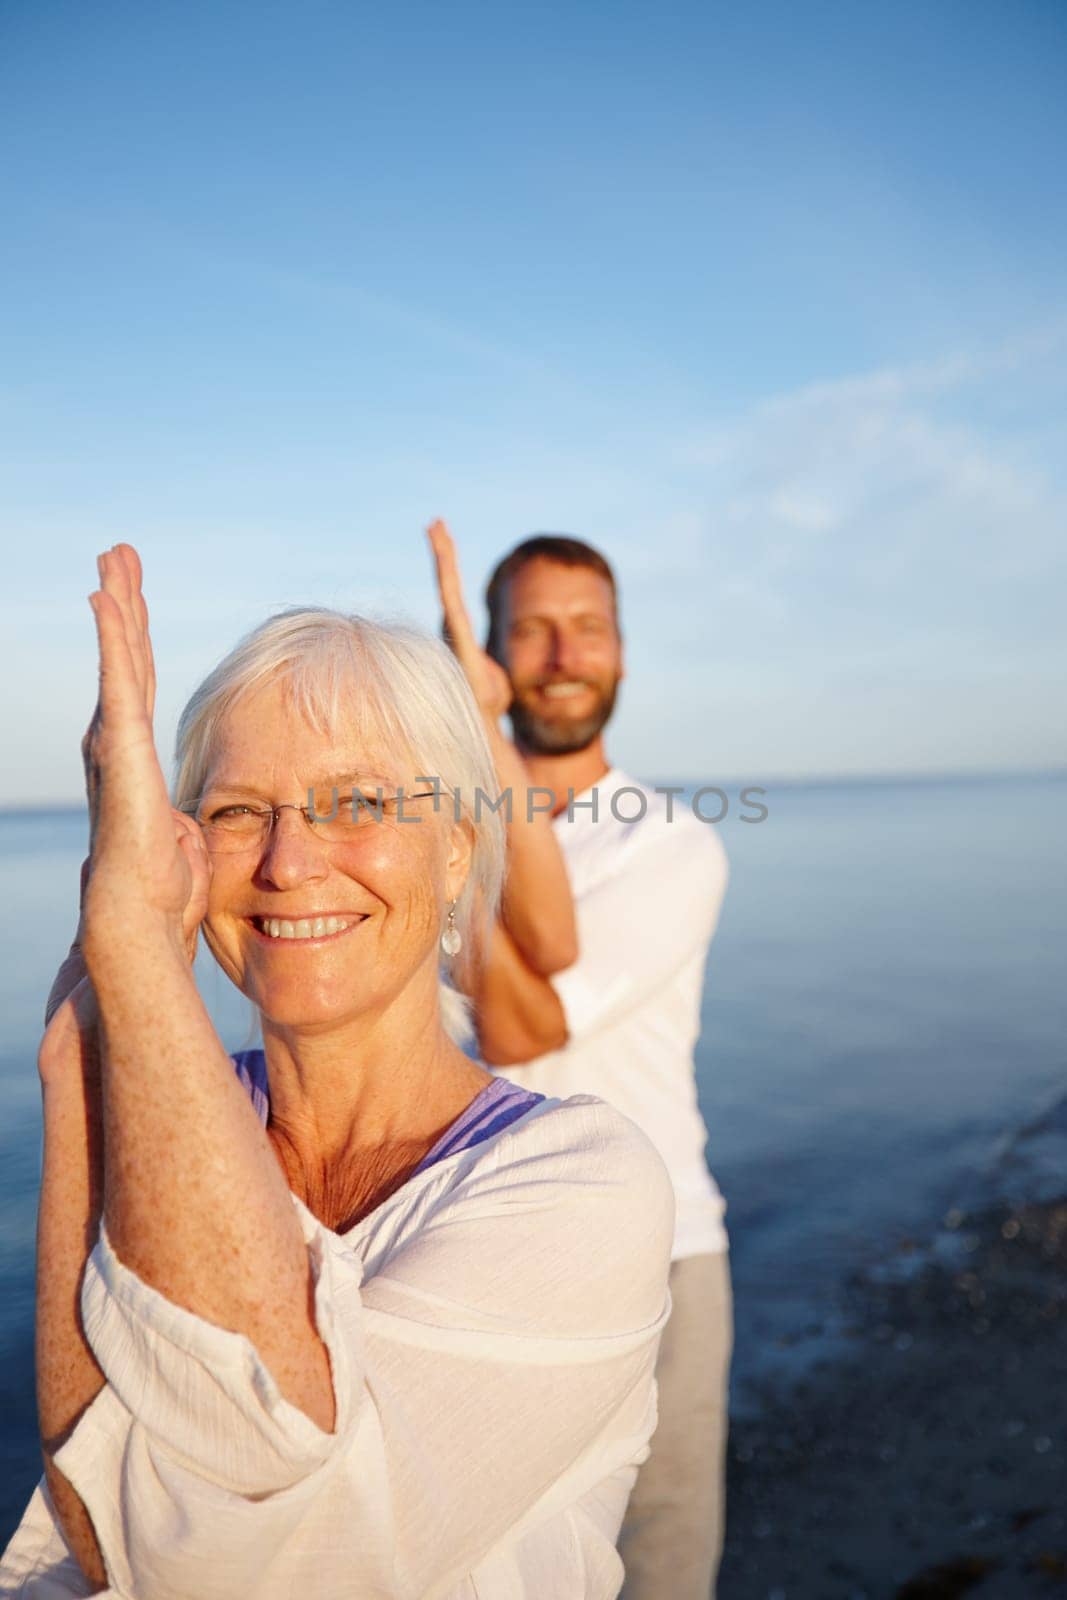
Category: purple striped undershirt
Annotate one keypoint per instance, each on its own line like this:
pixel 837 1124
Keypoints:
pixel 498 1105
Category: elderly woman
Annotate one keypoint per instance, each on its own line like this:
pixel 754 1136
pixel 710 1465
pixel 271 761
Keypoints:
pixel 356 1319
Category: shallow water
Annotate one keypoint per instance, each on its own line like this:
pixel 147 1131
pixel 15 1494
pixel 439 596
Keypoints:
pixel 884 1009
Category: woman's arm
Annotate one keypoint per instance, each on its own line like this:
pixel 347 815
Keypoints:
pixel 493 1371
pixel 538 908
pixel 72 1187
pixel 68 1217
pixel 195 1202
pixel 69 1207
pixel 518 1326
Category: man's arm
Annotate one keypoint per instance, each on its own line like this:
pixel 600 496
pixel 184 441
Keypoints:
pixel 517 1012
pixel 638 927
pixel 537 908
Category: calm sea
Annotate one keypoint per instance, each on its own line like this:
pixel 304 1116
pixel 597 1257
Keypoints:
pixel 885 1001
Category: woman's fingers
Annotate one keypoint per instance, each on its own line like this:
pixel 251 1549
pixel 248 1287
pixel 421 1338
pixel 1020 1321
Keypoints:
pixel 121 705
pixel 140 619
pixel 150 660
pixel 115 581
pixel 122 757
pixel 138 867
pixel 120 576
pixel 92 782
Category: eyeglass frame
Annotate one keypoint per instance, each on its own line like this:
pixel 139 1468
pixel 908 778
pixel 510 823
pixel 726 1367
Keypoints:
pixel 312 817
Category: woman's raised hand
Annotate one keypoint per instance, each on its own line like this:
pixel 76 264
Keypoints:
pixel 146 860
pixel 70 1012
pixel 487 678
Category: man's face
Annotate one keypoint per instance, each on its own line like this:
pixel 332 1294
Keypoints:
pixel 563 654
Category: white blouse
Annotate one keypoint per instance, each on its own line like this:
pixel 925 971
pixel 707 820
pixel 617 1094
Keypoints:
pixel 492 1330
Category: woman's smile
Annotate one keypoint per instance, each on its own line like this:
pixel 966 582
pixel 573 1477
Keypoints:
pixel 315 930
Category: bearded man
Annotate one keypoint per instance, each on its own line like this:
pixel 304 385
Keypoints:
pixel 620 1022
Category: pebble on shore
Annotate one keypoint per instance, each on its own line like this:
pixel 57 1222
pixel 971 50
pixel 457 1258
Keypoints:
pixel 928 1461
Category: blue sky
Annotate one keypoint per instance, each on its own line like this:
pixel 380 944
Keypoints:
pixel 766 301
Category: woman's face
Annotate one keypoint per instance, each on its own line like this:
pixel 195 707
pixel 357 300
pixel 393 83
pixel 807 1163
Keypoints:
pixel 387 886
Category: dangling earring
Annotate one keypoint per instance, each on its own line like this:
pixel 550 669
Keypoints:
pixel 451 939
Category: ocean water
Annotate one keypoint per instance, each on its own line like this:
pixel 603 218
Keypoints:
pixel 885 1005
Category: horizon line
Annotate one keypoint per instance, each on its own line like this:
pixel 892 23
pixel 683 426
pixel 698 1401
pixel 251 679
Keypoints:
pixel 780 780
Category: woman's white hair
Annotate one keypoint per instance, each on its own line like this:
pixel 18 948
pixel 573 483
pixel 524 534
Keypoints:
pixel 394 690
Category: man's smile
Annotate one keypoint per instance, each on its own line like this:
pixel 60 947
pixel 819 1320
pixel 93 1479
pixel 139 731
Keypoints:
pixel 565 691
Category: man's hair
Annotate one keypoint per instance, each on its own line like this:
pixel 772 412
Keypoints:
pixel 558 547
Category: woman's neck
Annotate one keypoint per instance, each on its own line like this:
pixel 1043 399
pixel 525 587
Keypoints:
pixel 353 1110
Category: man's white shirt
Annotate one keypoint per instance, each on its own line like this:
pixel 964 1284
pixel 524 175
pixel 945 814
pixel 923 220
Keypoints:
pixel 647 894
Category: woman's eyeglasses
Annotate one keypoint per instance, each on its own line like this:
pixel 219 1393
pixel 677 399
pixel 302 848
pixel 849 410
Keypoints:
pixel 233 825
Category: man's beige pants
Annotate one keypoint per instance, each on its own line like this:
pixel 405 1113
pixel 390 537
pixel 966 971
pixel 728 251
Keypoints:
pixel 671 1538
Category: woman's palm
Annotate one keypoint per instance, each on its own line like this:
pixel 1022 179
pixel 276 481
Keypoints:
pixel 144 854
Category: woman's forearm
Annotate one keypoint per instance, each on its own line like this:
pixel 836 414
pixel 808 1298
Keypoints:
pixel 195 1201
pixel 538 907
pixel 68 1378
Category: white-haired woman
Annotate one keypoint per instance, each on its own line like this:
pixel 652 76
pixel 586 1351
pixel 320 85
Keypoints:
pixel 356 1320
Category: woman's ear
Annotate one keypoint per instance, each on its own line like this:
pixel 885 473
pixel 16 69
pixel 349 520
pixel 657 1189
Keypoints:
pixel 460 856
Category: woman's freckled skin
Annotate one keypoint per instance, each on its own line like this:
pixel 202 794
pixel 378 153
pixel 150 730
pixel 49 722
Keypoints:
pixel 393 873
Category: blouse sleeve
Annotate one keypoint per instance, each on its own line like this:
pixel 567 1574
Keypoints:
pixel 494 1369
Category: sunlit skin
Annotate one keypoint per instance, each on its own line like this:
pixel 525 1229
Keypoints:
pixel 559 627
pixel 355 996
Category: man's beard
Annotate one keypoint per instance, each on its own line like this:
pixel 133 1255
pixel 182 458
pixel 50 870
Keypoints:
pixel 561 736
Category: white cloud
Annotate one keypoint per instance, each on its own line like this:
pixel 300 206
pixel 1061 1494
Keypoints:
pixel 888 488
pixel 859 574
pixel 879 581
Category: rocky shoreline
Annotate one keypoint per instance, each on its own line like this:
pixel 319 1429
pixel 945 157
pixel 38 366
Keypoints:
pixel 927 1457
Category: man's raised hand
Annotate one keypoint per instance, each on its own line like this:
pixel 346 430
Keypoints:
pixel 487 678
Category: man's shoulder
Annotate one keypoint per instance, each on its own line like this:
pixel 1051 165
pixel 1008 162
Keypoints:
pixel 625 829
pixel 660 818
